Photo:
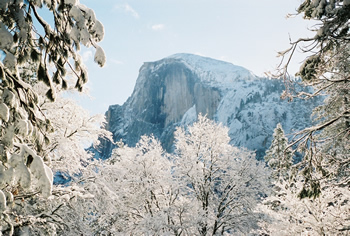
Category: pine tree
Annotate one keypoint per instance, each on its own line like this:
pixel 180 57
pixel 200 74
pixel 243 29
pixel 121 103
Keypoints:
pixel 279 157
pixel 326 68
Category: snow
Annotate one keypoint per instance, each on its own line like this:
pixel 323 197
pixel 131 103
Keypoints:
pixel 21 173
pixel 213 72
pixel 6 176
pixel 48 3
pixel 98 30
pixel 78 16
pixel 22 127
pixel 10 61
pixel 6 37
pixel 75 34
pixel 70 2
pixel 7 139
pixel 4 112
pixel 9 98
pixel 41 172
pixel 190 116
pixel 38 3
pixel 89 13
pixel 85 37
pixel 100 57
pixel 2 202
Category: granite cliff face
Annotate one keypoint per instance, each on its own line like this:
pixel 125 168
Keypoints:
pixel 174 90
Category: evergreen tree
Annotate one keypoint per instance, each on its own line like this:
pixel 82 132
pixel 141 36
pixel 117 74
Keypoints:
pixel 317 200
pixel 279 157
pixel 325 145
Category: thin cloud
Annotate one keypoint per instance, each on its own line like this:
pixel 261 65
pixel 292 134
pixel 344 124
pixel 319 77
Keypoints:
pixel 128 10
pixel 158 27
pixel 199 54
pixel 87 55
pixel 116 62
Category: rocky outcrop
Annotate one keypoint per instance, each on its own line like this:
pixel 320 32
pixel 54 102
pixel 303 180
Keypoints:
pixel 174 90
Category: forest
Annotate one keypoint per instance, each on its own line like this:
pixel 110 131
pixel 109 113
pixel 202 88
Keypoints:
pixel 206 186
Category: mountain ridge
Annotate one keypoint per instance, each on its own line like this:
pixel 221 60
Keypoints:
pixel 174 90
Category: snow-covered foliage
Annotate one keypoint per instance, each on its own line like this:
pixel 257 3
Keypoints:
pixel 25 168
pixel 279 156
pixel 315 201
pixel 326 145
pixel 74 130
pixel 36 206
pixel 326 215
pixel 287 213
pixel 222 182
pixel 206 187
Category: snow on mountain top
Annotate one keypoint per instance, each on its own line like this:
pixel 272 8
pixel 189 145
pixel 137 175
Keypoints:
pixel 214 72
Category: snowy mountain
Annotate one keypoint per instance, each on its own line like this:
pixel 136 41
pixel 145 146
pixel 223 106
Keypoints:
pixel 173 91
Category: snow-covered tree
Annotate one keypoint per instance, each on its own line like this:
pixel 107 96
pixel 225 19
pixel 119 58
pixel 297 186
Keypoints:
pixel 206 187
pixel 315 202
pixel 147 172
pixel 279 157
pixel 74 130
pixel 25 127
pixel 134 192
pixel 326 68
pixel 289 215
pixel 223 183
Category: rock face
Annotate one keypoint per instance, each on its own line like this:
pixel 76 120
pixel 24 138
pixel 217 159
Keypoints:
pixel 174 90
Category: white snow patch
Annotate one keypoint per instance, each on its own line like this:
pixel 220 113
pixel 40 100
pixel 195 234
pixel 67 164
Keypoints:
pixel 100 57
pixel 41 172
pixel 213 72
pixel 10 61
pixel 2 202
pixel 190 116
pixel 98 31
pixel 6 37
pixel 4 112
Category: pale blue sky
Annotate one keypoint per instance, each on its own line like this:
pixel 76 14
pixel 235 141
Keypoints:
pixel 246 33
